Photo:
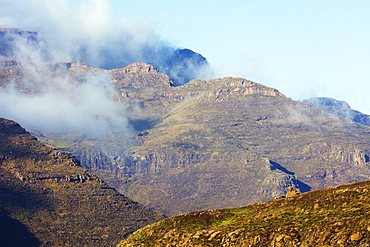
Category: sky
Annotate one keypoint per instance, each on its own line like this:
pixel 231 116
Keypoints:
pixel 302 48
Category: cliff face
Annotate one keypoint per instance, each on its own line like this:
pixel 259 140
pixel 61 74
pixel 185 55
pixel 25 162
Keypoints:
pixel 332 217
pixel 48 199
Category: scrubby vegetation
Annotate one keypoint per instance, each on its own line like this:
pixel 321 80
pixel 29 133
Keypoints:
pixel 331 217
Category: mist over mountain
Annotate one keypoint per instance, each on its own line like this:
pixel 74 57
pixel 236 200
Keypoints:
pixel 184 148
pixel 91 32
pixel 338 108
pixel 32 51
pixel 82 103
pixel 128 106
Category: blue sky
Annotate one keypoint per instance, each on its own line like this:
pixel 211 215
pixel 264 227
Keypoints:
pixel 302 48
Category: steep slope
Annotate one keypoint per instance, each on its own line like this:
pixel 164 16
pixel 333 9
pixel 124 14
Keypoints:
pixel 48 199
pixel 331 217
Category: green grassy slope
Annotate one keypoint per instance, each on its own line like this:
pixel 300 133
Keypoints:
pixel 336 216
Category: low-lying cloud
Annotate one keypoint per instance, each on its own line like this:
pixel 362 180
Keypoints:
pixel 49 99
pixel 88 31
pixel 92 32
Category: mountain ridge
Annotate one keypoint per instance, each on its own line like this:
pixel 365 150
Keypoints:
pixel 185 131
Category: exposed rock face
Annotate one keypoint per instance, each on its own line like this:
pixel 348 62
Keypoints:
pixel 331 217
pixel 348 155
pixel 48 199
pixel 240 86
pixel 138 75
pixel 7 62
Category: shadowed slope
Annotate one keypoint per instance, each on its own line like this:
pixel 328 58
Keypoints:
pixel 46 195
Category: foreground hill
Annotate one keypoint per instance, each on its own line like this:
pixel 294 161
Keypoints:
pixel 48 199
pixel 336 216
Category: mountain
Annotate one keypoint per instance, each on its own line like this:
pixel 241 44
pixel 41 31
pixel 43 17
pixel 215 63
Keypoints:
pixel 226 142
pixel 48 199
pixel 230 142
pixel 181 64
pixel 336 216
pixel 338 108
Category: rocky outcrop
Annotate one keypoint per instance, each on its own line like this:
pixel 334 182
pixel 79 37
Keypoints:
pixel 140 75
pixel 7 62
pixel 230 86
pixel 240 86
